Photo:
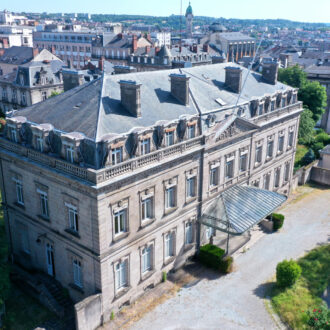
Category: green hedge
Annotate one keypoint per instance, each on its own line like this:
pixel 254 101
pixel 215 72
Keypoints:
pixel 278 220
pixel 212 256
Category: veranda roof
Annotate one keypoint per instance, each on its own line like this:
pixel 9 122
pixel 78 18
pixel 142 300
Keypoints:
pixel 239 208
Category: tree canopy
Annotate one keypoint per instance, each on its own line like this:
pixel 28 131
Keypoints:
pixel 306 127
pixel 311 93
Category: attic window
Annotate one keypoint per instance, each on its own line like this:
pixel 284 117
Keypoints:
pixel 220 101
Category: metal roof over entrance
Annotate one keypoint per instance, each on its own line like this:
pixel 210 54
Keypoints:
pixel 239 208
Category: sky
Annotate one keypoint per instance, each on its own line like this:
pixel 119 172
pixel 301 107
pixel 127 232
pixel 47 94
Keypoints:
pixel 296 10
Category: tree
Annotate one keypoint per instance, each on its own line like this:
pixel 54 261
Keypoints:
pixel 292 76
pixel 306 127
pixel 314 96
pixel 308 158
pixel 287 273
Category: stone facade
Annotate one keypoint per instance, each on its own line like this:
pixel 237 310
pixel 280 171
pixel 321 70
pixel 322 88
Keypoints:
pixel 114 228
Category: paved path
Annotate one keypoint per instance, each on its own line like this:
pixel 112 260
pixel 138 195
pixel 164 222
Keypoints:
pixel 235 301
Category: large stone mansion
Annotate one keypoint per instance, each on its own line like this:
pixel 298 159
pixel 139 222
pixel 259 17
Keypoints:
pixel 104 186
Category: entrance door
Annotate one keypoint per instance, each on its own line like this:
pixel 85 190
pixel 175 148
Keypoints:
pixel 50 259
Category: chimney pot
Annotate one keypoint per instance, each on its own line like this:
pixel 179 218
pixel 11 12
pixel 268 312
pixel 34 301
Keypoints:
pixel 233 78
pixel 130 94
pixel 35 52
pixel 180 87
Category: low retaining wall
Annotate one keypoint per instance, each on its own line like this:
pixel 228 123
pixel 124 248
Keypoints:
pixel 304 173
pixel 320 175
pixel 88 313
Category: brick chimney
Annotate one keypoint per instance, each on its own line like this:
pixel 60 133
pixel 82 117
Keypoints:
pixel 233 78
pixel 53 51
pixel 270 72
pixel 35 52
pixel 101 63
pixel 206 48
pixel 134 43
pixel 180 87
pixel 130 94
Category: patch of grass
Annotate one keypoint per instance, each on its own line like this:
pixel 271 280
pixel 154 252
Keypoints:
pixel 292 303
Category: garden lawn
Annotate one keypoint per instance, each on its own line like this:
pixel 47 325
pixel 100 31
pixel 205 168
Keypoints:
pixel 292 303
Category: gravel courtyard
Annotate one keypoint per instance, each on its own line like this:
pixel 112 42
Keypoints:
pixel 236 301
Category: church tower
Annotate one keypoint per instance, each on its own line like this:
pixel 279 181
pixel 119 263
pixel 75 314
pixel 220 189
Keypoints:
pixel 189 21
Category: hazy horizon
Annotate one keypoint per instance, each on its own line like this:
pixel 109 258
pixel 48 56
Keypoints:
pixel 294 10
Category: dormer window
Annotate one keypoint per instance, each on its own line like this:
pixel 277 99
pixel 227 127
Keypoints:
pixel 261 109
pixel 39 143
pixel 191 131
pixel 145 146
pixel 21 79
pixel 117 155
pixel 69 154
pixel 169 138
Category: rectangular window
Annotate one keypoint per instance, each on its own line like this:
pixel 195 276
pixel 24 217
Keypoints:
pixel 287 172
pixel 258 154
pixel 230 169
pixel 189 233
pixel 280 143
pixel 261 109
pixel 169 138
pixel 214 176
pixel 77 278
pixel 266 181
pixel 191 131
pixel 243 162
pixel 121 275
pixel 73 218
pixel 145 146
pixel 40 143
pixel 169 245
pixel 120 219
pixel 44 204
pixel 25 246
pixel 23 96
pixel 146 259
pixel 277 178
pixel 170 198
pixel 191 187
pixel 147 208
pixel 270 147
pixel 69 154
pixel 291 135
pixel 117 155
pixel 19 192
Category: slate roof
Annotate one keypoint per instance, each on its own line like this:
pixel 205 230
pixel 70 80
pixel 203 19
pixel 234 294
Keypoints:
pixel 318 69
pixel 95 110
pixel 235 211
pixel 17 55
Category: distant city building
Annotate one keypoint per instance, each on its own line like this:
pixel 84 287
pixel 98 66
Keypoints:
pixel 15 36
pixel 7 18
pixel 160 39
pixel 32 81
pixel 189 21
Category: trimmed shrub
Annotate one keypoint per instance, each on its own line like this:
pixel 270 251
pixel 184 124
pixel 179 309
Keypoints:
pixel 226 264
pixel 211 256
pixel 278 220
pixel 287 273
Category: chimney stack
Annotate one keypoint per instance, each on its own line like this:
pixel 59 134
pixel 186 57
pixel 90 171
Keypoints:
pixel 234 78
pixel 101 63
pixel 180 87
pixel 270 71
pixel 206 48
pixel 195 49
pixel 35 52
pixel 134 43
pixel 130 94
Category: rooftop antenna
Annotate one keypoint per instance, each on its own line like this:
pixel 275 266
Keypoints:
pixel 250 67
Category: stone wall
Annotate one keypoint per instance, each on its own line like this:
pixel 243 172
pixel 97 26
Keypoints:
pixel 304 173
pixel 88 313
pixel 320 175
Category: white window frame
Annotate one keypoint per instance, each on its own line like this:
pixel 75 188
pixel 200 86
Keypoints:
pixel 230 163
pixel 145 146
pixel 19 191
pixel 169 138
pixel 69 153
pixel 147 209
pixel 39 143
pixel 116 155
pixel 287 172
pixel 189 233
pixel 44 207
pixel 258 151
pixel 169 246
pixel 243 164
pixel 270 153
pixel 121 275
pixel 73 218
pixel 146 259
pixel 290 139
pixel 120 221
pixel 277 175
pixel 280 146
pixel 214 176
pixel 77 273
pixel 170 197
pixel 191 187
pixel 191 131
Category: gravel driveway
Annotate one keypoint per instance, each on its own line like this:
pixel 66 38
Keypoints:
pixel 235 301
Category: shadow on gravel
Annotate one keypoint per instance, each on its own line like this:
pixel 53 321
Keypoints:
pixel 262 290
